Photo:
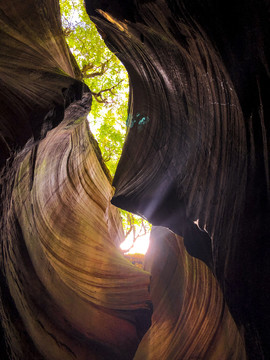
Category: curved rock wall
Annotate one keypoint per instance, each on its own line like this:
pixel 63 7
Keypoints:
pixel 197 149
pixel 66 290
pixel 38 72
pixel 195 160
pixel 190 319
pixel 75 294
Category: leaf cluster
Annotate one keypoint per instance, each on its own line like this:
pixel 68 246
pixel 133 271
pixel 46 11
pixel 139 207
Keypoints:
pixel 104 74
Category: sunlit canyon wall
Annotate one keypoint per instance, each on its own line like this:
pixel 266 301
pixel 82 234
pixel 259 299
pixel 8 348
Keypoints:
pixel 195 161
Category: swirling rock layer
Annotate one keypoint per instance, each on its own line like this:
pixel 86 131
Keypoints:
pixel 190 315
pixel 38 72
pixel 197 148
pixel 66 290
pixel 190 319
pixel 75 294
pixel 195 160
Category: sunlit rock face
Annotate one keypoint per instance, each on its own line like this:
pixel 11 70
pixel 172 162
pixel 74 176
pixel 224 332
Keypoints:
pixel 66 290
pixel 190 319
pixel 75 294
pixel 197 148
pixel 195 160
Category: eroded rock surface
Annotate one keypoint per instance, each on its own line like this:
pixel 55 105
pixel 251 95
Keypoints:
pixel 39 76
pixel 66 290
pixel 75 293
pixel 197 149
pixel 195 160
pixel 190 319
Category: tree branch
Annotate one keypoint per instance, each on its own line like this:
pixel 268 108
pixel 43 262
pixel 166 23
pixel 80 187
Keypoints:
pixel 98 96
pixel 103 66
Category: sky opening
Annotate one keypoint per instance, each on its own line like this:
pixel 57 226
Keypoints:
pixel 107 79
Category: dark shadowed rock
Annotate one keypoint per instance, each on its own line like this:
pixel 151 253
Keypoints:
pixel 195 160
pixel 197 148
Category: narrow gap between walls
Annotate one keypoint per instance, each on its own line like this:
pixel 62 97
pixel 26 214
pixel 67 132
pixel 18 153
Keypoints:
pixel 107 79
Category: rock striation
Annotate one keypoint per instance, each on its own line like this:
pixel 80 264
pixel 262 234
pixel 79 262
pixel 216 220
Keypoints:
pixel 196 157
pixel 39 76
pixel 195 161
pixel 64 273
pixel 191 319
pixel 67 292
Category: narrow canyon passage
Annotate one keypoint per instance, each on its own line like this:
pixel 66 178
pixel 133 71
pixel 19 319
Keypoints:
pixel 195 164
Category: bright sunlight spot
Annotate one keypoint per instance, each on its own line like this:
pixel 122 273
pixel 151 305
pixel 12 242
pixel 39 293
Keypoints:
pixel 107 79
pixel 140 245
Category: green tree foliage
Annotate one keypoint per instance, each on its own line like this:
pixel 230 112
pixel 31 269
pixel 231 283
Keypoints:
pixel 105 75
pixel 107 79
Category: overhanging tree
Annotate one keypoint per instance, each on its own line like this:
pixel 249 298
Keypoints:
pixel 104 74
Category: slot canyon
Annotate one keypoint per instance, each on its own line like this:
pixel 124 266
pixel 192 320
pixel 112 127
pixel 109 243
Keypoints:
pixel 195 164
